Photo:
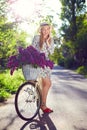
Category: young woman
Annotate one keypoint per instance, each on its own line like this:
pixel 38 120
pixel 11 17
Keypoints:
pixel 44 43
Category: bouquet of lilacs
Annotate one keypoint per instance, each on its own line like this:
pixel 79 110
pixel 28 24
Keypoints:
pixel 30 56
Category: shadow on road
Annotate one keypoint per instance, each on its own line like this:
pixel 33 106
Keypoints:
pixel 76 128
pixel 65 74
pixel 11 119
pixel 44 122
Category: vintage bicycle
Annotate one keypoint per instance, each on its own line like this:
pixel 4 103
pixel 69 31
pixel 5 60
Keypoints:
pixel 28 95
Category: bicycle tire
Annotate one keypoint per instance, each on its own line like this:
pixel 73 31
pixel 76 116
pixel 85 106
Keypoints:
pixel 24 98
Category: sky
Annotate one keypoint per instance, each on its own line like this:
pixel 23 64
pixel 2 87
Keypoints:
pixel 29 10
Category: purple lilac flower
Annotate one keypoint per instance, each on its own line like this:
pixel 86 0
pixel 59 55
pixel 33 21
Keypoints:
pixel 50 64
pixel 28 55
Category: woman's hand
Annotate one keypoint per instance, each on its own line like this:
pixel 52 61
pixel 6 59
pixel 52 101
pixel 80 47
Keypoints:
pixel 47 41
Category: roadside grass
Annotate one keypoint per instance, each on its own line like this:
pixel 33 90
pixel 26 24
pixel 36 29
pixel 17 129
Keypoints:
pixel 9 84
pixel 82 70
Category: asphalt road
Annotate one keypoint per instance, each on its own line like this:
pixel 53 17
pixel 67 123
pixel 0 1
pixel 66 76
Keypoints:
pixel 67 97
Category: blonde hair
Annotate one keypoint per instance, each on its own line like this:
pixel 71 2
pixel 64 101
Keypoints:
pixel 41 36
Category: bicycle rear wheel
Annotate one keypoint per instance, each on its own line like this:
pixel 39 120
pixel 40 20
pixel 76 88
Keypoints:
pixel 27 101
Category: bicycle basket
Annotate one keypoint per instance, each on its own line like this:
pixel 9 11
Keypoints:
pixel 30 73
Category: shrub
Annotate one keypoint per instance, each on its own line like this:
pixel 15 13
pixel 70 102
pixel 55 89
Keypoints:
pixel 3 95
pixel 9 84
pixel 82 70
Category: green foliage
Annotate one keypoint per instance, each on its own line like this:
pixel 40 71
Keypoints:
pixel 54 56
pixel 9 84
pixel 3 95
pixel 81 42
pixel 10 38
pixel 82 70
pixel 74 31
pixel 82 38
pixel 70 10
pixel 69 62
pixel 61 61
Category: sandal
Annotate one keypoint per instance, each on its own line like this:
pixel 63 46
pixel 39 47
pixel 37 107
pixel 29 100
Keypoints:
pixel 47 110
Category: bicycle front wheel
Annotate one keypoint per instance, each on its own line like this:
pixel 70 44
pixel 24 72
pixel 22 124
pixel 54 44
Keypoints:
pixel 27 101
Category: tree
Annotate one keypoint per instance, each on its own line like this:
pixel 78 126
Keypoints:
pixel 73 12
pixel 10 39
pixel 81 42
pixel 70 10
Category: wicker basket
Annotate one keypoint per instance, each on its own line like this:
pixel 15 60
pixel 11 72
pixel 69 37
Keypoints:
pixel 30 73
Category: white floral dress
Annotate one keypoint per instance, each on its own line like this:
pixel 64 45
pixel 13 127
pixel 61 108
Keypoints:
pixel 46 72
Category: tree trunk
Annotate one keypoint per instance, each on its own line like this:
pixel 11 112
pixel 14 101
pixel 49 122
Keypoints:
pixel 74 27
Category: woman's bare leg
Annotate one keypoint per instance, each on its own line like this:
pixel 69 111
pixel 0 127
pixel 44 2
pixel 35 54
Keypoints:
pixel 46 83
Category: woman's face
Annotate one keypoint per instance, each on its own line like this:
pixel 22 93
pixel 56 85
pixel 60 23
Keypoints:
pixel 45 30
